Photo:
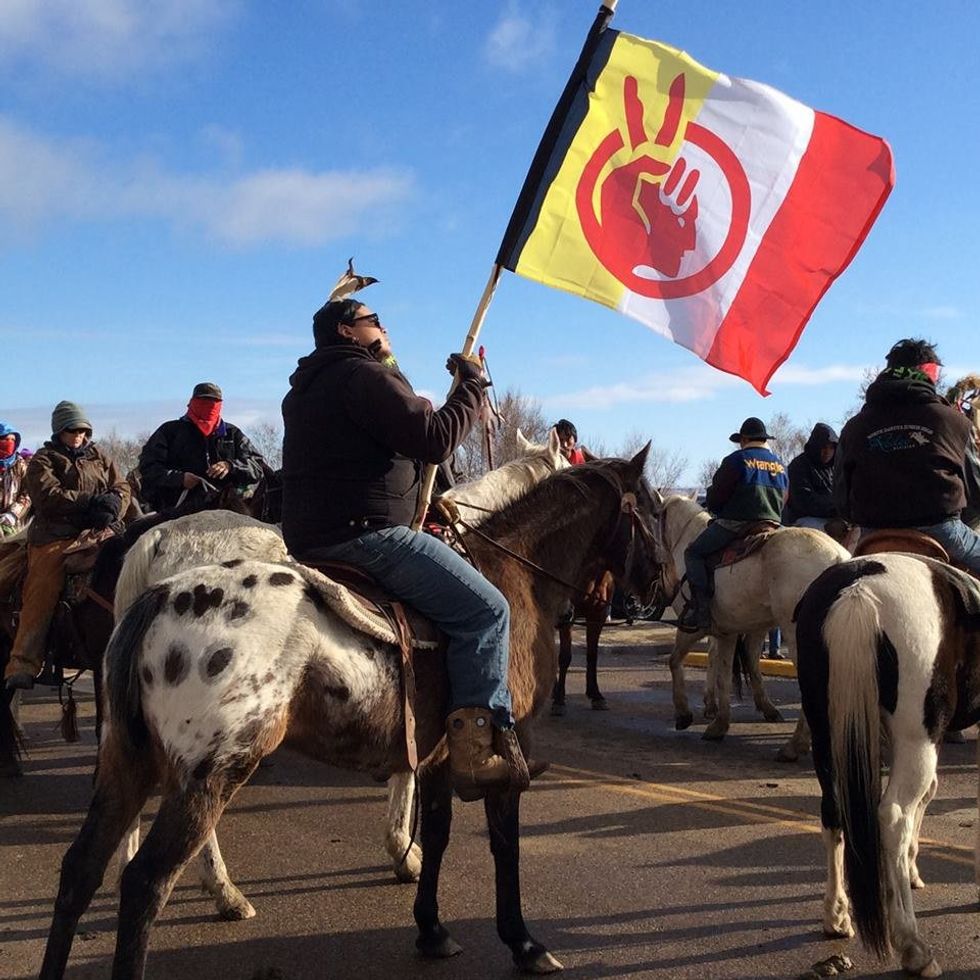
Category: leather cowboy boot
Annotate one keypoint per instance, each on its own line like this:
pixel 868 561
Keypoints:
pixel 474 765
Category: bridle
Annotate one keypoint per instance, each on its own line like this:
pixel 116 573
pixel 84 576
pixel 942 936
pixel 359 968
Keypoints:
pixel 628 510
pixel 668 572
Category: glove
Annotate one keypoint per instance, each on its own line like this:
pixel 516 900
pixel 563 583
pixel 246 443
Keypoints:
pixel 108 501
pixel 103 509
pixel 466 368
pixel 8 520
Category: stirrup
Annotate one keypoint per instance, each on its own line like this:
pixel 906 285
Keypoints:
pixel 689 621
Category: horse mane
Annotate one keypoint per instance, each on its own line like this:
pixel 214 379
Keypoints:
pixel 585 480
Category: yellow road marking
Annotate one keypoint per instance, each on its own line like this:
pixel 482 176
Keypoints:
pixel 768 668
pixel 749 812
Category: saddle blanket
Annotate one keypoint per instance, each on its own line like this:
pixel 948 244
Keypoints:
pixel 753 539
pixel 363 614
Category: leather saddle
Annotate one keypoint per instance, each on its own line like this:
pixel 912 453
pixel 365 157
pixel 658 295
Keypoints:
pixel 752 539
pixel 409 625
pixel 907 540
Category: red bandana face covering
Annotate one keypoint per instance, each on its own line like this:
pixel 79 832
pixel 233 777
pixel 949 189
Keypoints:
pixel 7 446
pixel 205 413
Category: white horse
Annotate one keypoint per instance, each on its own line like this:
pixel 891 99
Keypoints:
pixel 213 537
pixel 751 597
pixel 885 643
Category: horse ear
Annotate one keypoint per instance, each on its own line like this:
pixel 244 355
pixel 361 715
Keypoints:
pixel 522 444
pixel 638 462
pixel 554 443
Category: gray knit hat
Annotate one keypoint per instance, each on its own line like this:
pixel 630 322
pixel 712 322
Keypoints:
pixel 68 415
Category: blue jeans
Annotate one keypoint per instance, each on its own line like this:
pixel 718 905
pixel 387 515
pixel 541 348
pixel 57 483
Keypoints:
pixel 961 543
pixel 713 538
pixel 428 575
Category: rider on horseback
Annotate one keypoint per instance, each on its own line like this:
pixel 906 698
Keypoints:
pixel 74 486
pixel 908 436
pixel 811 481
pixel 199 446
pixel 748 487
pixel 15 503
pixel 356 436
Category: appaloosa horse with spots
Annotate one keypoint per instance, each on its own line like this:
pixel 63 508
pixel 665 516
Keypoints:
pixel 212 537
pixel 888 643
pixel 214 667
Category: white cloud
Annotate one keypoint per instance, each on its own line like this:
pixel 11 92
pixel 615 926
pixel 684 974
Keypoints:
pixel 695 383
pixel 43 180
pixel 108 39
pixel 517 42
pixel 942 313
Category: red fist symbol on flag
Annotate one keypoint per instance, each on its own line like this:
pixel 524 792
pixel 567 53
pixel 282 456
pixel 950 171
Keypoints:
pixel 648 209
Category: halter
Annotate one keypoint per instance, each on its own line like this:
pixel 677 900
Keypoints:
pixel 668 570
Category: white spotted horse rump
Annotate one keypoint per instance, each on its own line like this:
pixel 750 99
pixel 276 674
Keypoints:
pixel 235 655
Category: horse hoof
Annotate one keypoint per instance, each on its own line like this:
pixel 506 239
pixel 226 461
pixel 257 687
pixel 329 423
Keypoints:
pixel 774 715
pixel 236 911
pixel 841 929
pixel 558 709
pixel 682 722
pixel 409 870
pixel 537 960
pixel 931 969
pixel 440 946
pixel 915 881
pixel 600 704
pixel 715 732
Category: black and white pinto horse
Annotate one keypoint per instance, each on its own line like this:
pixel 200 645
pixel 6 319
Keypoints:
pixel 887 643
pixel 211 669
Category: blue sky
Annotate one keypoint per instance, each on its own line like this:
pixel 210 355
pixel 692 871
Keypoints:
pixel 181 182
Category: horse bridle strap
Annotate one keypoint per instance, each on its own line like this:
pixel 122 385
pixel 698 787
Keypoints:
pixel 99 600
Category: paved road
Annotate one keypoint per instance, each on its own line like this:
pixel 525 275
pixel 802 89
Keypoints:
pixel 646 852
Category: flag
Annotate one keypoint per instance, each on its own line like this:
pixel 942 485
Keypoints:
pixel 714 210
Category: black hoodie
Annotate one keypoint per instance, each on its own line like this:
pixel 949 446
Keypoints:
pixel 355 437
pixel 811 481
pixel 901 461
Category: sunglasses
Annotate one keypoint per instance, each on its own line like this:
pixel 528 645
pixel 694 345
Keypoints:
pixel 76 432
pixel 372 318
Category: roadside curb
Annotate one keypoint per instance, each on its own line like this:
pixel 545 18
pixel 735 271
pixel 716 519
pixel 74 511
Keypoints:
pixel 768 668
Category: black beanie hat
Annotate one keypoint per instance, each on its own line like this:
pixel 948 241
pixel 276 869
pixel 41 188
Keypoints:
pixel 330 316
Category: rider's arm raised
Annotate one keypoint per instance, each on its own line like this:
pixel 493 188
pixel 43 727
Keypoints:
pixel 382 402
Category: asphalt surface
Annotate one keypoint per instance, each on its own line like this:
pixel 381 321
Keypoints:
pixel 645 852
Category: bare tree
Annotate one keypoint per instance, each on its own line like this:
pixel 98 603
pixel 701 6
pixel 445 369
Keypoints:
pixel 664 467
pixel 125 450
pixel 707 471
pixel 787 439
pixel 267 439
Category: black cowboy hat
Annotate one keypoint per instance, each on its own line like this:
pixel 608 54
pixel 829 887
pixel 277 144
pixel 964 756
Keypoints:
pixel 753 429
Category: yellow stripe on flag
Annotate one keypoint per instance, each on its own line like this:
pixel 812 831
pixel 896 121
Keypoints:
pixel 556 252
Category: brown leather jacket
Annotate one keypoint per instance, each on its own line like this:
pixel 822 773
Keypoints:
pixel 62 484
pixel 14 498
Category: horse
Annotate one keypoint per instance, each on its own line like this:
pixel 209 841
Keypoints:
pixel 213 537
pixel 751 596
pixel 213 668
pixel 889 642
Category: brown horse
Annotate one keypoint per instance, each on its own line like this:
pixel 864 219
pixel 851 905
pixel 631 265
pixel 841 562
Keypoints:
pixel 214 667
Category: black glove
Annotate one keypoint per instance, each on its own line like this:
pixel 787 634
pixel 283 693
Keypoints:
pixel 103 509
pixel 110 502
pixel 465 369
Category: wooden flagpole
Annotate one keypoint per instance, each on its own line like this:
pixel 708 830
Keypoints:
pixel 429 473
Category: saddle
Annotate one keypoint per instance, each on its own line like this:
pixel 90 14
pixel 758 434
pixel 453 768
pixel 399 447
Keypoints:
pixel 364 605
pixel 901 539
pixel 751 540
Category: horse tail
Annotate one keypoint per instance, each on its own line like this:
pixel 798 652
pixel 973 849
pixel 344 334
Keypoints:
pixel 122 669
pixel 135 574
pixel 855 641
pixel 740 666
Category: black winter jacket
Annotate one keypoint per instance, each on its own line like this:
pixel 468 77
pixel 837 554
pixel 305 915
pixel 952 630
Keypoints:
pixel 179 447
pixel 901 461
pixel 356 436
pixel 811 482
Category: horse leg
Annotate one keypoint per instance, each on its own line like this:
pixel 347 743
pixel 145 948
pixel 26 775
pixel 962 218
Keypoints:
pixel 836 908
pixel 436 800
pixel 724 651
pixel 232 905
pixel 97 684
pixel 683 717
pixel 564 662
pixel 185 819
pixel 976 846
pixel 503 821
pixel 116 801
pixel 915 879
pixel 593 630
pixel 799 741
pixel 406 855
pixel 762 703
pixel 912 774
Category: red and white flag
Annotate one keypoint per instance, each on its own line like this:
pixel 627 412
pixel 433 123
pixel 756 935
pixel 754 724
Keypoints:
pixel 716 211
